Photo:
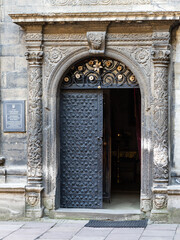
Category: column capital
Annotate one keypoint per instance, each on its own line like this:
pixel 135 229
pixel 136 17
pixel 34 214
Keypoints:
pixel 34 37
pixel 161 53
pixel 34 57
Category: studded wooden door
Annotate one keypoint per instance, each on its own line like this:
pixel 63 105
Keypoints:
pixel 81 120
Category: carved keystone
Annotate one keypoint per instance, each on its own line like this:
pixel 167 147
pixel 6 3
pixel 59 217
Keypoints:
pixel 96 41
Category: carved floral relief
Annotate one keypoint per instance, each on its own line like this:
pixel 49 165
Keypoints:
pixel 96 2
pixel 53 55
pixel 35 123
pixel 141 55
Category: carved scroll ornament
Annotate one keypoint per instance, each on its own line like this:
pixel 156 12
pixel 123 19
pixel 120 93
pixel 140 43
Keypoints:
pixel 99 73
pixel 161 59
pixel 35 123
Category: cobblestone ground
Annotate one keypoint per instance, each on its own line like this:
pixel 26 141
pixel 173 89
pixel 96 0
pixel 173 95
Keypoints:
pixel 75 230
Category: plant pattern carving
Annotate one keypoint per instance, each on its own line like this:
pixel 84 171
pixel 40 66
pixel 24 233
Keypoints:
pixel 53 55
pixel 96 2
pixel 140 55
pixel 161 122
pixel 35 124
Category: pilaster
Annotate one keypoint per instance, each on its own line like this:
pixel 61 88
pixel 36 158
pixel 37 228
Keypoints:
pixel 160 57
pixel 34 56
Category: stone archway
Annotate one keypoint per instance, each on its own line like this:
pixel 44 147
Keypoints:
pixel 146 194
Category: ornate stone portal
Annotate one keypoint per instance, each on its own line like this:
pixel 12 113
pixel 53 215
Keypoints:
pixel 146 54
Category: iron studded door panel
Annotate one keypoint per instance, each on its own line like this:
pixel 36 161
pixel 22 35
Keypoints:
pixel 81 149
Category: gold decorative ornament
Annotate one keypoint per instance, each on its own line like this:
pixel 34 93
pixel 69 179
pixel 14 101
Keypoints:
pixel 66 79
pixel 108 64
pixel 78 75
pixel 91 78
pixel 80 68
pixel 132 78
pixel 97 66
pixel 120 77
pixel 119 68
pixel 91 63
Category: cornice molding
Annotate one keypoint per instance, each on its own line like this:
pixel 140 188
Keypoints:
pixel 42 18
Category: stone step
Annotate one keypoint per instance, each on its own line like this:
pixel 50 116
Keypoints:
pixel 97 214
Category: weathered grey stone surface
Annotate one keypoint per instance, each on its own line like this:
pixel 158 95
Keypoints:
pixel 75 230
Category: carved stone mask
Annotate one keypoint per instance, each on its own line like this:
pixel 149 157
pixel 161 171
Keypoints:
pixel 160 201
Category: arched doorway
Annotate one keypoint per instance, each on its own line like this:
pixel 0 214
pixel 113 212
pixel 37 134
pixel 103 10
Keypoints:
pixel 96 154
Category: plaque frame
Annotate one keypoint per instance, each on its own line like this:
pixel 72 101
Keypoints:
pixel 22 126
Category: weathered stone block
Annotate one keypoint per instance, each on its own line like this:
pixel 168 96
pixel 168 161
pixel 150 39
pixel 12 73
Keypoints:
pixel 16 80
pixel 20 64
pixel 7 64
pixel 20 94
pixel 12 201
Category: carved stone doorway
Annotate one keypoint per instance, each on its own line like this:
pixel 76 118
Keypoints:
pixel 82 139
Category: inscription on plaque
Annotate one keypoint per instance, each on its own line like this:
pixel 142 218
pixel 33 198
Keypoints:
pixel 14 116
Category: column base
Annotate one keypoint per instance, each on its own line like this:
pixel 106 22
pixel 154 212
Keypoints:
pixel 34 207
pixel 35 213
pixel 159 216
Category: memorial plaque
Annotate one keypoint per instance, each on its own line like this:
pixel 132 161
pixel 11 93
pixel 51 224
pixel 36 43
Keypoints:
pixel 14 116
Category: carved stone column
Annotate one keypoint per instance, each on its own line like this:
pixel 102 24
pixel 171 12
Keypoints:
pixel 34 57
pixel 160 57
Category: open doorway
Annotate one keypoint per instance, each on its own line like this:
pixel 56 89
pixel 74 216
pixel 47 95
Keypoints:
pixel 121 148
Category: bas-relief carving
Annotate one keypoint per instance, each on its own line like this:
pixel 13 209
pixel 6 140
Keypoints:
pixel 141 55
pixel 32 198
pixel 96 2
pixel 96 42
pixel 53 55
pixel 160 201
pixel 35 123
pixel 33 36
pixel 120 37
pixel 160 56
pixel 67 37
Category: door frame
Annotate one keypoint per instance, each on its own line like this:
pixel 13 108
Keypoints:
pixel 51 114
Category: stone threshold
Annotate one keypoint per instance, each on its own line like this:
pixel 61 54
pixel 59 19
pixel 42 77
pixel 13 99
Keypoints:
pixel 97 214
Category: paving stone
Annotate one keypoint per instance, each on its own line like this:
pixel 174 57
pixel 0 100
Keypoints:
pixel 128 230
pixel 157 238
pixel 59 235
pixel 162 226
pixel 177 234
pixel 117 236
pixel 38 225
pixel 94 232
pixel 23 237
pixel 88 238
pixel 158 233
